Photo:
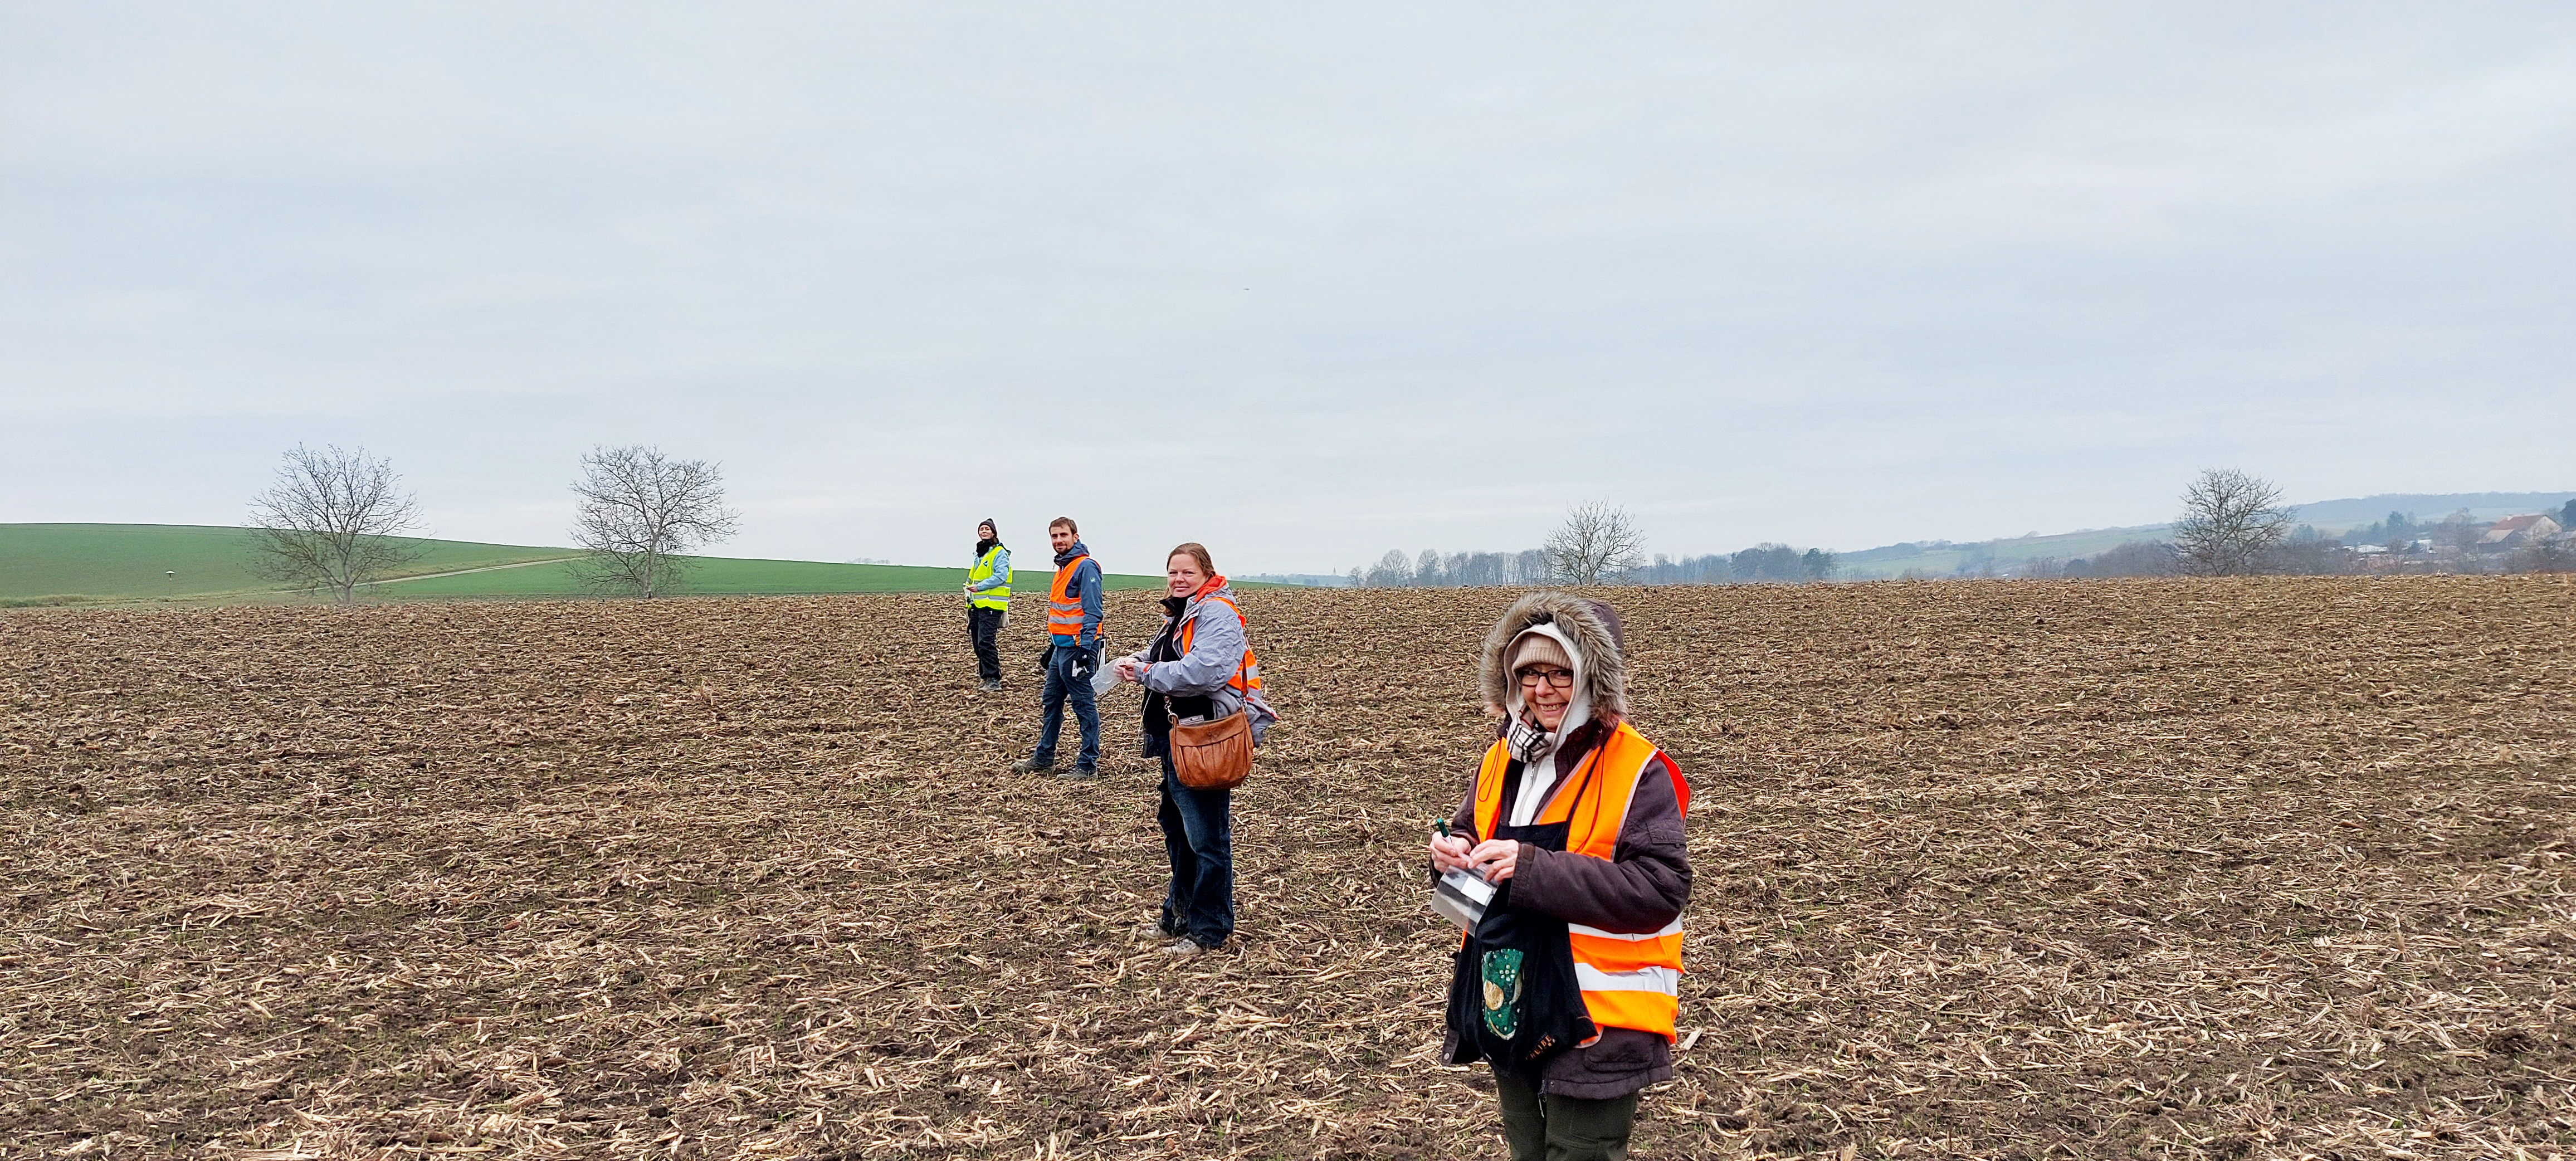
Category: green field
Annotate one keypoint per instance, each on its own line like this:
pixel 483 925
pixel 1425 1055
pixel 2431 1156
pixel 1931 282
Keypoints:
pixel 128 562
pixel 726 575
pixel 58 564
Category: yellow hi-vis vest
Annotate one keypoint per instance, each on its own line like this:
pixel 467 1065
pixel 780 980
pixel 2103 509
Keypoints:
pixel 997 597
pixel 1628 980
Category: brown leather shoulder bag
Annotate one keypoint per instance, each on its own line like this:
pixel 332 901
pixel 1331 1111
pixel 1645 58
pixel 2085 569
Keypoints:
pixel 1214 755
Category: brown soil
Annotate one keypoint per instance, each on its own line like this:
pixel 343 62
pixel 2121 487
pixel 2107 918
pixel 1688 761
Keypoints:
pixel 2267 868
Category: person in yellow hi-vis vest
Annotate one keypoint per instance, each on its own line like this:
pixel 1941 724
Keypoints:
pixel 1569 983
pixel 988 599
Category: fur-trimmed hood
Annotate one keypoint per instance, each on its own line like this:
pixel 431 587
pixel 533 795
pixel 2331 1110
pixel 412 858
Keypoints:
pixel 1588 624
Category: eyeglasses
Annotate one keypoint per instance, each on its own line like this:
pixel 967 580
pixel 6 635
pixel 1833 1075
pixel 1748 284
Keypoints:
pixel 1560 678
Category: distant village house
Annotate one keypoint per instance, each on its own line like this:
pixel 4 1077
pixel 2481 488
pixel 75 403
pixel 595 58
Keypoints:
pixel 2516 531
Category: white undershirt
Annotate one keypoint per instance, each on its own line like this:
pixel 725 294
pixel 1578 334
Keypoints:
pixel 1536 780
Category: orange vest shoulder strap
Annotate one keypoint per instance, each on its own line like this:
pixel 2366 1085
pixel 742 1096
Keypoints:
pixel 1489 789
pixel 1617 765
pixel 1598 804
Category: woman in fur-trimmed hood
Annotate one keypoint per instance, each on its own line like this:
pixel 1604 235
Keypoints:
pixel 1577 819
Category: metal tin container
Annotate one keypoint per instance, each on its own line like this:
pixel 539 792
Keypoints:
pixel 1461 897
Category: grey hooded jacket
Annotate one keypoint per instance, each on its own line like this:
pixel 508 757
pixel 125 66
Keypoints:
pixel 1217 644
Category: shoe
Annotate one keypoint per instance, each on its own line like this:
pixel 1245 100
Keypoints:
pixel 1156 930
pixel 1080 774
pixel 1186 947
pixel 991 684
pixel 1032 766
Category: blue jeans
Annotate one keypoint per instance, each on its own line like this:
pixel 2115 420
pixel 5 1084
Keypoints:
pixel 1198 834
pixel 1060 682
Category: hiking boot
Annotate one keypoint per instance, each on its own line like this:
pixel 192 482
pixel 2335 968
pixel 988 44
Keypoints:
pixel 1080 774
pixel 1032 766
pixel 990 684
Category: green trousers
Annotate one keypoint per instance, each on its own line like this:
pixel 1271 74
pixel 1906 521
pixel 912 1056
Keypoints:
pixel 1542 1127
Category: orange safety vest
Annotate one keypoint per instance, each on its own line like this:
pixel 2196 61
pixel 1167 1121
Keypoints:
pixel 1247 675
pixel 1628 980
pixel 1064 609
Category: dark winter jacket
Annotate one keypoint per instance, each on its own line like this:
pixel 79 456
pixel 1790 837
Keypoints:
pixel 1648 879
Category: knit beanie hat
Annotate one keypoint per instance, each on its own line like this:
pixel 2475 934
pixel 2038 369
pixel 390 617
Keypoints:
pixel 1535 648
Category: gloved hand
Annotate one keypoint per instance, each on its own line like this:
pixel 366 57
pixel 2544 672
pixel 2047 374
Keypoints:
pixel 1085 663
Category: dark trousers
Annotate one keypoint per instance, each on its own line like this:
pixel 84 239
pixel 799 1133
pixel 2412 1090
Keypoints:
pixel 1198 834
pixel 984 628
pixel 1545 1127
pixel 1060 685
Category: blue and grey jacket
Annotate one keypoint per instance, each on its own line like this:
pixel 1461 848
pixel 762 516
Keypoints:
pixel 1086 585
pixel 1001 578
pixel 1217 644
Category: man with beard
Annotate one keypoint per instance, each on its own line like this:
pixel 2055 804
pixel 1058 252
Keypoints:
pixel 1073 634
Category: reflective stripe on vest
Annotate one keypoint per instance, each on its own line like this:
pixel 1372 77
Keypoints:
pixel 1247 673
pixel 1629 980
pixel 996 597
pixel 1064 608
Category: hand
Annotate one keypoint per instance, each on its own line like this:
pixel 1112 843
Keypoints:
pixel 1448 852
pixel 1495 859
pixel 1131 670
pixel 1084 665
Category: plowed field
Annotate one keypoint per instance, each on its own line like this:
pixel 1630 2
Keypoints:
pixel 2267 868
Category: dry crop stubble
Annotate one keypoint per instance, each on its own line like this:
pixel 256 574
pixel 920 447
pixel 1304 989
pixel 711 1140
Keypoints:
pixel 2251 868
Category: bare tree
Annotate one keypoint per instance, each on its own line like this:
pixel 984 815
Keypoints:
pixel 333 521
pixel 640 512
pixel 1391 571
pixel 2230 524
pixel 1597 541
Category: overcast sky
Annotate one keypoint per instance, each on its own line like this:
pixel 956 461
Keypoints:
pixel 1305 282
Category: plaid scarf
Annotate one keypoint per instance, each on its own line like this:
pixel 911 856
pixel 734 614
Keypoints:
pixel 1528 742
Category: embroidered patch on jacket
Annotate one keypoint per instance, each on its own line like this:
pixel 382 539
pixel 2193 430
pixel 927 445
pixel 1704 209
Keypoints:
pixel 1502 973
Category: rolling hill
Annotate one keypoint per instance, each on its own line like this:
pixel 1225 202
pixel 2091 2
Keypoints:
pixel 2331 517
pixel 61 564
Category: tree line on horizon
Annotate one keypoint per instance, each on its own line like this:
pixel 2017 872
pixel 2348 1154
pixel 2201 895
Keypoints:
pixel 2232 524
pixel 1599 543
pixel 334 521
pixel 1761 564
